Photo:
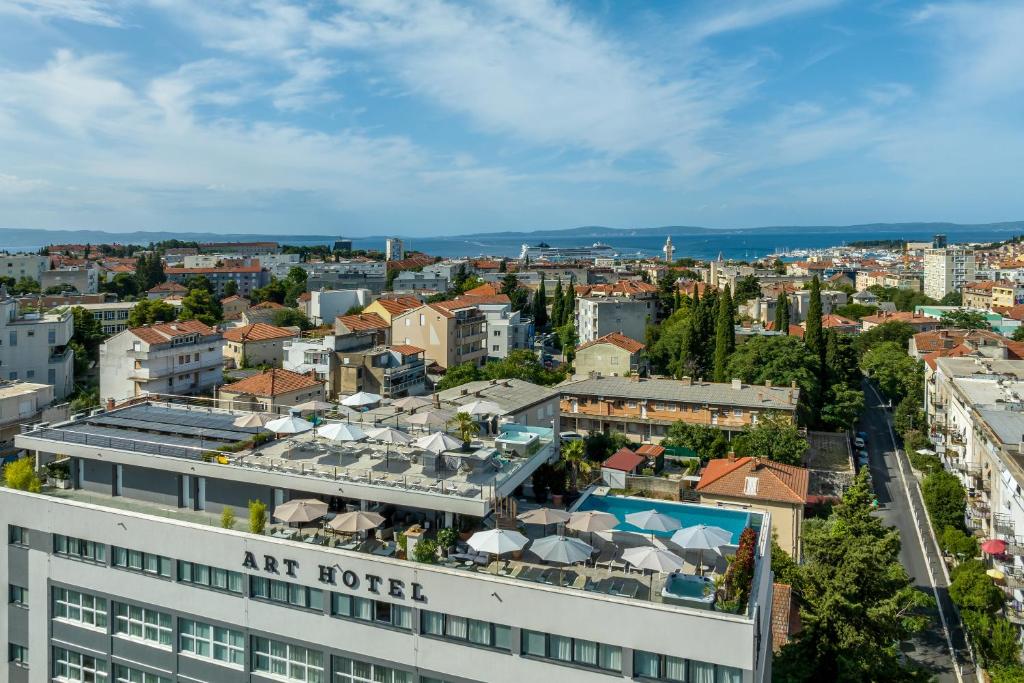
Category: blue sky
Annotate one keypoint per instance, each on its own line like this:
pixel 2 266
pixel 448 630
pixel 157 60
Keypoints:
pixel 436 118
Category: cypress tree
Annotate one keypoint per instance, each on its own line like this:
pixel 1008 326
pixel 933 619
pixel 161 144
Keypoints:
pixel 782 314
pixel 813 336
pixel 540 311
pixel 569 305
pixel 556 306
pixel 706 332
pixel 725 335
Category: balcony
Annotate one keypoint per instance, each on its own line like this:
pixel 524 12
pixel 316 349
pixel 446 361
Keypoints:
pixel 1014 578
pixel 1015 546
pixel 1003 524
pixel 1014 615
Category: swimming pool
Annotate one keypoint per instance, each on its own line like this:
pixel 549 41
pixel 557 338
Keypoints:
pixel 733 521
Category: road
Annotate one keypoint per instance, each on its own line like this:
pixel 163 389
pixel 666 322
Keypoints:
pixel 918 554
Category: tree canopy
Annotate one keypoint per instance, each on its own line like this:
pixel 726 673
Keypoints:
pixel 898 374
pixel 149 311
pixel 966 320
pixel 200 304
pixel 704 440
pixel 774 437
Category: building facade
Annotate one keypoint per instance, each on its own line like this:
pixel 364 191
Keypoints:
pixel 34 347
pixel 246 278
pixel 600 315
pixel 256 344
pixel 84 279
pixel 947 269
pixel 450 332
pixel 18 266
pixel 613 355
pixel 388 371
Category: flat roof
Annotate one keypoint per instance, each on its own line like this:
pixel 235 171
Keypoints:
pixel 748 395
pixel 511 394
pixel 1008 425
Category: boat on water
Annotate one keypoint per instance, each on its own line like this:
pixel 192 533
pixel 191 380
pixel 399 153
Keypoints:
pixel 545 252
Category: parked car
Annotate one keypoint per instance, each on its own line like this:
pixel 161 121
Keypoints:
pixel 862 435
pixel 570 436
pixel 858 442
pixel 862 458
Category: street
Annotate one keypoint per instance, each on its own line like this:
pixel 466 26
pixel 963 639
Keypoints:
pixel 931 647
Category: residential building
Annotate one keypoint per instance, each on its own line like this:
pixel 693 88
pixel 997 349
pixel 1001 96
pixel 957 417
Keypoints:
pixel 112 316
pixel 919 321
pixel 394 249
pixel 18 266
pixel 34 346
pixel 240 248
pixel 84 279
pixel 234 306
pixel 507 330
pixel 1007 294
pixel 318 356
pixel 326 305
pixel 837 323
pixel 760 483
pixel 643 409
pixel 865 298
pixel 166 289
pixel 255 345
pixel 450 332
pixel 362 326
pixel 521 402
pixel 20 404
pixel 388 307
pixel 128 574
pixel 263 312
pixel 597 316
pixel 389 371
pixel 166 358
pixel 613 355
pixel 947 269
pixel 413 281
pixel 272 391
pixel 357 273
pixel 978 294
pixel 342 244
pixel 246 278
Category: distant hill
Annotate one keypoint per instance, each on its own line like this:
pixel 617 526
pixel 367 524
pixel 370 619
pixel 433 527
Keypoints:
pixel 16 238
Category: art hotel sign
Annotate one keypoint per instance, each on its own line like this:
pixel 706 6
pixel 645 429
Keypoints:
pixel 331 574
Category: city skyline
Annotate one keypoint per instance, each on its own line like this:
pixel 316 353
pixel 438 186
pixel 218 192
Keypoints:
pixel 375 118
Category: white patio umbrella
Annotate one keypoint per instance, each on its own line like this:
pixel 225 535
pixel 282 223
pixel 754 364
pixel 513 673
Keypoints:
pixel 481 407
pixel 361 399
pixel 252 420
pixel 561 550
pixel 544 516
pixel 655 559
pixel 300 510
pixel 438 442
pixel 411 402
pixel 497 542
pixel 389 435
pixel 315 406
pixel 925 451
pixel 591 521
pixel 430 418
pixel 702 537
pixel 352 522
pixel 342 431
pixel 652 520
pixel 290 424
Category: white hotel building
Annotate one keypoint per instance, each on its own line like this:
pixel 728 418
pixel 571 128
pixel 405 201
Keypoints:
pixel 127 575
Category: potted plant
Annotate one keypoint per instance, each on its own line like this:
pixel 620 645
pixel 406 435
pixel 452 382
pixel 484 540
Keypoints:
pixel 60 474
pixel 446 540
pixel 466 427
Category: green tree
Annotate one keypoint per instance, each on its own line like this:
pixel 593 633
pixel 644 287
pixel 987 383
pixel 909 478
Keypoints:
pixel 892 331
pixel 952 299
pixel 747 288
pixel 150 311
pixel 458 375
pixel 1018 334
pixel 291 317
pixel 88 330
pixel 569 305
pixel 227 517
pixel 522 364
pixel 814 336
pixel 556 305
pixel 843 406
pixel 199 282
pixel 704 440
pixel 841 360
pixel 898 374
pixel 782 313
pixel 855 311
pixel 21 475
pixel 856 601
pixel 257 516
pixel 465 426
pixel 725 336
pixel 781 361
pixel 945 498
pixel 574 461
pixel 200 304
pixel 124 285
pixel 230 288
pixel 908 415
pixel 26 285
pixel 149 271
pixel 568 339
pixel 274 291
pixel 540 307
pixel 965 320
pixel 957 543
pixel 516 294
pixel 774 437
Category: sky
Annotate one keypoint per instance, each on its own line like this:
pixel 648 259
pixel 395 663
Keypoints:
pixel 438 118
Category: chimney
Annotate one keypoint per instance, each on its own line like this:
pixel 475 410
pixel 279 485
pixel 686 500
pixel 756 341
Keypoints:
pixel 768 384
pixel 737 383
pixel 792 384
pixel 687 381
pixel 463 392
pixel 731 456
pixel 437 400
pixel 110 404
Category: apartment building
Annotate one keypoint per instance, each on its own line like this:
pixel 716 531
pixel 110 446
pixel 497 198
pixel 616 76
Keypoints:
pixel 247 278
pixel 978 294
pixel 449 332
pixel 34 346
pixel 388 307
pixel 85 278
pixel 318 356
pixel 344 274
pixel 643 409
pixel 240 248
pixel 362 326
pixel 20 403
pixel 947 269
pixel 18 266
pixel 597 316
pixel 112 316
pixel 272 391
pixel 919 321
pixel 166 289
pixel 255 345
pixel 388 371
pixel 613 355
pixel 326 305
pixel 234 306
pixel 507 330
pixel 166 358
pixel 412 281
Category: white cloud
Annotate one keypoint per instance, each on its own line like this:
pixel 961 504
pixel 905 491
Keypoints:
pixel 747 15
pixel 95 12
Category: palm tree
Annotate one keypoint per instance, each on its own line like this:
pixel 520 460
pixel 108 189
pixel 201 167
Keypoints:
pixel 465 426
pixel 574 459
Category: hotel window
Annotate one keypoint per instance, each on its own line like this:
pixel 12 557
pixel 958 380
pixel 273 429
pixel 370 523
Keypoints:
pixel 124 674
pixel 17 595
pixel 467 630
pixel 354 671
pixel 81 608
pixel 70 546
pixel 209 577
pixel 17 535
pixel 737 412
pixel 211 642
pixel 17 655
pixel 371 610
pixel 69 665
pixel 138 561
pixel 287 661
pixel 571 650
pixel 137 622
pixel 651 666
pixel 286 593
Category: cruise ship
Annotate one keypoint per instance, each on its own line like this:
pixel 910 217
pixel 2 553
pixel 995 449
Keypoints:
pixel 545 252
pixel 120 569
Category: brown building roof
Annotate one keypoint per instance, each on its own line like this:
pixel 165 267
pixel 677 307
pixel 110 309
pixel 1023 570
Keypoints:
pixel 272 383
pixel 407 349
pixel 257 332
pixel 616 339
pixel 363 321
pixel 486 289
pixel 400 304
pixel 785 619
pixel 161 333
pixel 233 298
pixel 168 287
pixel 624 460
pixel 908 317
pixel 267 305
pixel 775 481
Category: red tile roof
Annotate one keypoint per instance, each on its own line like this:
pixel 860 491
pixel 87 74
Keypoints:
pixel 162 333
pixel 901 316
pixel 776 481
pixel 624 460
pixel 833 320
pixel 168 287
pixel 265 305
pixel 363 321
pixel 272 383
pixel 486 289
pixel 233 298
pixel 785 619
pixel 616 339
pixel 399 304
pixel 650 450
pixel 257 332
pixel 407 349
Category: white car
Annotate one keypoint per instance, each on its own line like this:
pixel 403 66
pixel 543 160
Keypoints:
pixel 570 436
pixel 858 442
